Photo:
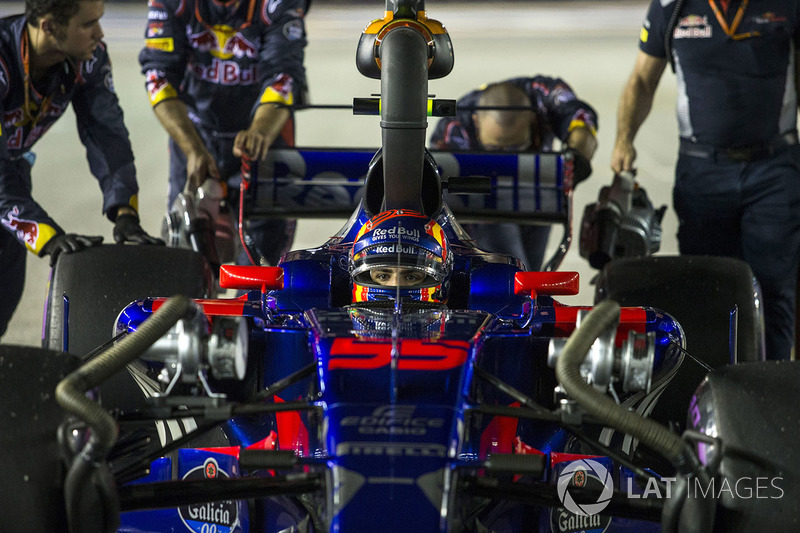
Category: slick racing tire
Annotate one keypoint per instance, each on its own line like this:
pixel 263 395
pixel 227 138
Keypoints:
pixel 99 282
pixel 699 292
pixel 31 480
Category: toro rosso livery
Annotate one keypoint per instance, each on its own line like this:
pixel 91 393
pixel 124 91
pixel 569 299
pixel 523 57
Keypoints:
pixel 401 409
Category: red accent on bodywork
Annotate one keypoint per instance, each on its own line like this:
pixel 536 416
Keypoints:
pixel 268 443
pixel 550 283
pixel 292 433
pixel 415 354
pixel 559 457
pixel 233 451
pixel 499 435
pixel 521 448
pixel 232 307
pixel 242 277
pixel 630 318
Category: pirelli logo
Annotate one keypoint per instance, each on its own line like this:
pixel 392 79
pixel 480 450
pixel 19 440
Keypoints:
pixel 165 44
pixel 395 449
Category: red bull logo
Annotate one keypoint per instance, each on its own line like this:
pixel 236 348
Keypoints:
pixel 692 27
pixel 239 47
pixel 158 88
pixel 282 88
pixel 26 230
pixel 693 20
pixel 223 42
pixel 205 41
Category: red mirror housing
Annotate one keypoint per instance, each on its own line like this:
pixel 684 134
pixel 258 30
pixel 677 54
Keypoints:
pixel 549 283
pixel 250 278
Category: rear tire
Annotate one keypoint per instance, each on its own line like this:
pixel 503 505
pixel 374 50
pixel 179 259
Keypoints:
pixel 699 292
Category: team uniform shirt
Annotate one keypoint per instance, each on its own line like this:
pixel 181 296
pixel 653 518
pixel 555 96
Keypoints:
pixel 736 90
pixel 558 112
pixel 223 60
pixel 90 88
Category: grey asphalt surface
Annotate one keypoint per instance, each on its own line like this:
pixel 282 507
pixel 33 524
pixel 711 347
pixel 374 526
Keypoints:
pixel 590 44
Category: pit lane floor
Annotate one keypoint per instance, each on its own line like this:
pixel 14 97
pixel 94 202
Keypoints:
pixel 591 45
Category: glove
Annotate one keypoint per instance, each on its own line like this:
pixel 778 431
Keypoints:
pixel 68 243
pixel 127 229
pixel 581 167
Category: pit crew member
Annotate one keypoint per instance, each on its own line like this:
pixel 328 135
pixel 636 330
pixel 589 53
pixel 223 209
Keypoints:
pixel 737 178
pixel 544 110
pixel 52 56
pixel 217 74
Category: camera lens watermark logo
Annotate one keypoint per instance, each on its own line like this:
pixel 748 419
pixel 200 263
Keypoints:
pixel 577 474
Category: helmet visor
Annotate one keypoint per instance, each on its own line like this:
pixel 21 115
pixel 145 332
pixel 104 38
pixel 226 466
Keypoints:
pixel 406 265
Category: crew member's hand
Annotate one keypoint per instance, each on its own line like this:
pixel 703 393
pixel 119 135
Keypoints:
pixel 200 166
pixel 623 156
pixel 67 243
pixel 127 229
pixel 581 166
pixel 251 143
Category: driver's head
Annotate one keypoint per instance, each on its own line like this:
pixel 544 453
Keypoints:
pixel 404 249
pixel 504 130
pixel 397 276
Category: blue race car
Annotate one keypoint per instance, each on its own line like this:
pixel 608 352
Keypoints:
pixel 397 377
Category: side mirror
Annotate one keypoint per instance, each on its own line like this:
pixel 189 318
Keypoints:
pixel 250 278
pixel 548 283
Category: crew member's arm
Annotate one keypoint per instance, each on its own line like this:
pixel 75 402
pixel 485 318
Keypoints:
pixel 450 134
pixel 583 140
pixel 573 120
pixel 200 164
pixel 108 148
pixel 281 59
pixel 265 127
pixel 164 62
pixel 634 106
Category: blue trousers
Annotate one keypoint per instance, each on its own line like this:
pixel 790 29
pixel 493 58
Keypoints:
pixel 750 211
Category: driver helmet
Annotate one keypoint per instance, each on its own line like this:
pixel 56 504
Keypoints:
pixel 400 251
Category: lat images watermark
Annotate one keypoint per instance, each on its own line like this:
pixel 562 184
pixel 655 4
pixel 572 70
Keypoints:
pixel 579 474
pixel 743 488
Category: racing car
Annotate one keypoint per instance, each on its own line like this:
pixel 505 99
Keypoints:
pixel 397 377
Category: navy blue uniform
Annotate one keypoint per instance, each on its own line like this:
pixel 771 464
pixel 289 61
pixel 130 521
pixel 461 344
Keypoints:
pixel 558 112
pixel 223 60
pixel 90 88
pixel 737 189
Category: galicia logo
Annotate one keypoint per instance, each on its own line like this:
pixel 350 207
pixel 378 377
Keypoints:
pixel 578 475
pixel 220 516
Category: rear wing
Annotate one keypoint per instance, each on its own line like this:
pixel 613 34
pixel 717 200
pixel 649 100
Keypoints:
pixel 525 188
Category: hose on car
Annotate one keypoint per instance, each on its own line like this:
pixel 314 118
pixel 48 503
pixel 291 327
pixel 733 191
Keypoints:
pixel 82 481
pixel 650 433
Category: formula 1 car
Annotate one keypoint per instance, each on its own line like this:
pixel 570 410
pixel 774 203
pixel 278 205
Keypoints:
pixel 397 377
